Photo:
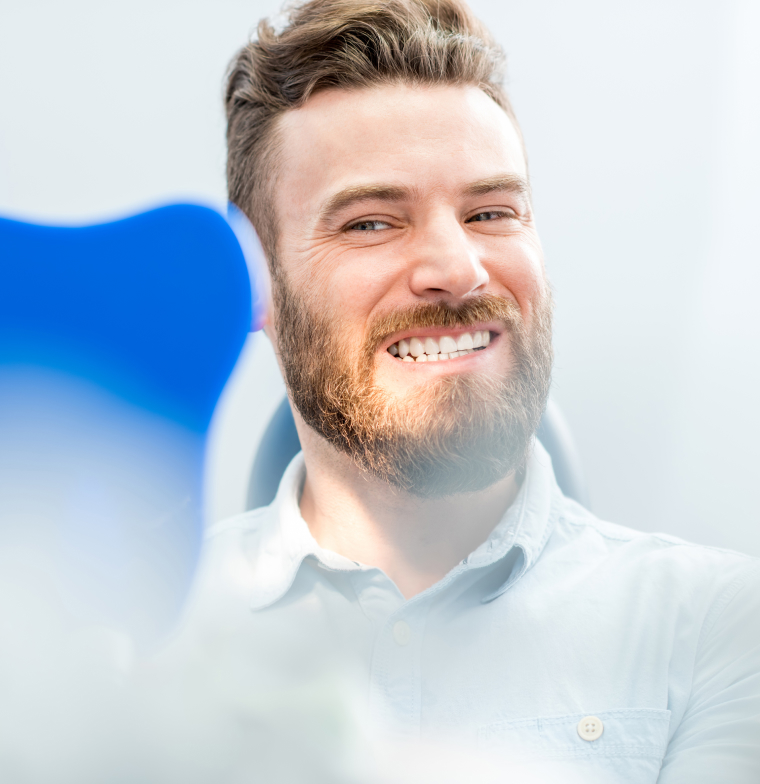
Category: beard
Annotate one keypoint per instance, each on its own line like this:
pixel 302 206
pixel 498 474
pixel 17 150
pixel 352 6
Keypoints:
pixel 456 434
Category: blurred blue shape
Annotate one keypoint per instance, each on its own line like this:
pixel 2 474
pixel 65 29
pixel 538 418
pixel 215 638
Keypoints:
pixel 154 308
pixel 116 341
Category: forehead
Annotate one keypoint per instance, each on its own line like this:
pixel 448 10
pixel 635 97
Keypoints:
pixel 427 138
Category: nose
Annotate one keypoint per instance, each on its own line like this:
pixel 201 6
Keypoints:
pixel 445 261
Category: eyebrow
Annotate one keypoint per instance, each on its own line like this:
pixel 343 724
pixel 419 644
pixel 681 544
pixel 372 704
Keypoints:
pixel 358 193
pixel 504 183
pixel 354 194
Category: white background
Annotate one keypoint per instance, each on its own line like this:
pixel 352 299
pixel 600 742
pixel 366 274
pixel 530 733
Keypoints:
pixel 642 122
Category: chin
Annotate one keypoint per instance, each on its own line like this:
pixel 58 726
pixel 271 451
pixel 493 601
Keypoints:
pixel 458 435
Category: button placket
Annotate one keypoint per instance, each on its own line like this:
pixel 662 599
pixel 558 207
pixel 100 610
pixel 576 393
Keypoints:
pixel 402 634
pixel 395 687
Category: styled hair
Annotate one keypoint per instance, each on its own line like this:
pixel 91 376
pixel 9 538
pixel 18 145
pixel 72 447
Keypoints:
pixel 346 44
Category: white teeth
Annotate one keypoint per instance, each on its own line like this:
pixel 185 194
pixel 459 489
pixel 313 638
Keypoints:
pixel 431 346
pixel 464 342
pixel 416 348
pixel 447 345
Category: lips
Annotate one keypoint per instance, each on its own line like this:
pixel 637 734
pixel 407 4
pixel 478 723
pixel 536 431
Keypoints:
pixel 444 347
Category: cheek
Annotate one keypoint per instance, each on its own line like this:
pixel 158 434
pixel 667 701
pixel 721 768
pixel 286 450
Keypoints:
pixel 520 270
pixel 348 286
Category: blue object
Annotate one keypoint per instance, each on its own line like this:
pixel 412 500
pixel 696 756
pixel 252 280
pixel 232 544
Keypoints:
pixel 154 308
pixel 116 341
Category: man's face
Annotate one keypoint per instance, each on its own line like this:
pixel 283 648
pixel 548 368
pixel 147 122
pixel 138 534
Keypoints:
pixel 405 220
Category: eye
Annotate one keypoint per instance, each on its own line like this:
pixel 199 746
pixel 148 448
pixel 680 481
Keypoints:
pixel 369 225
pixel 490 215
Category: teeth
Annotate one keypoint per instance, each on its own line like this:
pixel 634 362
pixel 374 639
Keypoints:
pixel 465 342
pixel 416 348
pixel 431 346
pixel 446 347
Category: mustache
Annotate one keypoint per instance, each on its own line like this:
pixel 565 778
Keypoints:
pixel 484 307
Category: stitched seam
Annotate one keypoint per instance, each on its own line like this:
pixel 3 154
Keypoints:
pixel 418 676
pixel 656 536
pixel 708 622
pixel 728 595
pixel 595 527
pixel 241 522
pixel 619 750
pixel 568 718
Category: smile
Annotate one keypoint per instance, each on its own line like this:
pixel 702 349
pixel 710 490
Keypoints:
pixel 436 349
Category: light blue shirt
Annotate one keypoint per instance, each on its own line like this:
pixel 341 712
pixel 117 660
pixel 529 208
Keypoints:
pixel 562 644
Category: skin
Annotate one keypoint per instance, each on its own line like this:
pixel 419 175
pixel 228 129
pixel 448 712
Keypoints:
pixel 448 216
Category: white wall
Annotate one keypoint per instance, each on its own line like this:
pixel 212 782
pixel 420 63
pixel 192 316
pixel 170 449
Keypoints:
pixel 642 123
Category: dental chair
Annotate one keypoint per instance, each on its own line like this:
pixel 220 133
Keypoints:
pixel 280 444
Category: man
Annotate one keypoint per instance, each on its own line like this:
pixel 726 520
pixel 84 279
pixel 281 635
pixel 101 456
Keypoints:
pixel 419 549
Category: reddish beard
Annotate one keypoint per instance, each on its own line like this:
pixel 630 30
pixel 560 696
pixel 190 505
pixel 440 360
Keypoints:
pixel 459 433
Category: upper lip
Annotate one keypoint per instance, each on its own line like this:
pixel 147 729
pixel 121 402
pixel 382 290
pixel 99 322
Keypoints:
pixel 437 332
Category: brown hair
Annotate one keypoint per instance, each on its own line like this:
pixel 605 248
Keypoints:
pixel 344 44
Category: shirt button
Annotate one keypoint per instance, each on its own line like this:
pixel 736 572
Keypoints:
pixel 402 633
pixel 590 728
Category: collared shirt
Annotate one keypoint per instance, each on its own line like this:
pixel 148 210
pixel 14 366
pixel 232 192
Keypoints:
pixel 560 641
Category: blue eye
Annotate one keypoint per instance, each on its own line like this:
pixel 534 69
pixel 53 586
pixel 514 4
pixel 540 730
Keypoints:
pixel 487 216
pixel 370 225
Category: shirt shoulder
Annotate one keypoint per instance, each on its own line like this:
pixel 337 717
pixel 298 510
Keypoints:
pixel 687 569
pixel 245 522
pixel 228 556
pixel 577 518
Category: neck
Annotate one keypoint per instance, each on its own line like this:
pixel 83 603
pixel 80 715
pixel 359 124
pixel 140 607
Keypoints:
pixel 414 541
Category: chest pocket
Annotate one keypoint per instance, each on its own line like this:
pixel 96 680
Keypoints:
pixel 640 734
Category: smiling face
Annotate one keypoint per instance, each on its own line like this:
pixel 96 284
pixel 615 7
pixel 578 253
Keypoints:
pixel 412 315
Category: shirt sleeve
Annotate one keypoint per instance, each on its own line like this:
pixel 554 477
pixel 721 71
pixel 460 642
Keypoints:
pixel 718 738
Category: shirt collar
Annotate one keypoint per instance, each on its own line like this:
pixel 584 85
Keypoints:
pixel 527 524
pixel 283 539
pixel 284 542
